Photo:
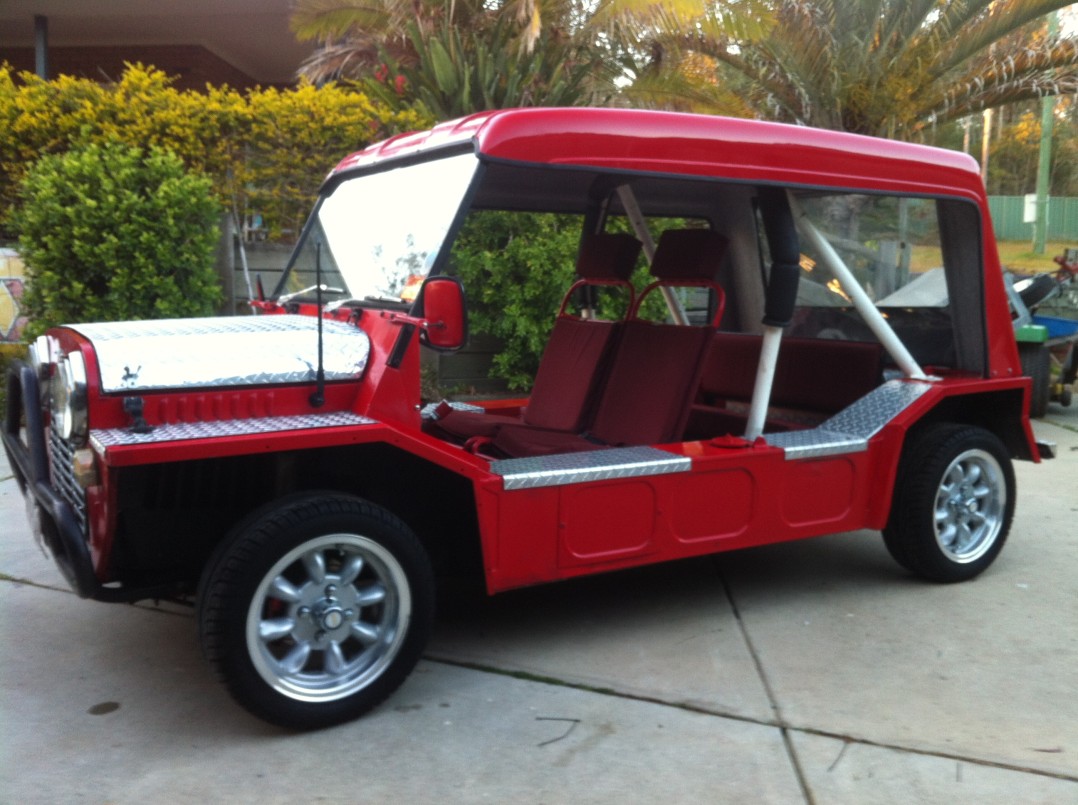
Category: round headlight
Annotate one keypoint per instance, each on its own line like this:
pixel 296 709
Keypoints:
pixel 69 403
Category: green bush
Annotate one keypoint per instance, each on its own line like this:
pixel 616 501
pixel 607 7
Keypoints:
pixel 112 232
pixel 266 150
pixel 515 268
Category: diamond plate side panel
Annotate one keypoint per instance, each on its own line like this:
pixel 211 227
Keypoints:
pixel 184 431
pixel 594 465
pixel 427 412
pixel 223 351
pixel 815 443
pixel 849 430
pixel 868 415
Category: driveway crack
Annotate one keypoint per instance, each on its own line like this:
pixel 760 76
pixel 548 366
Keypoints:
pixel 772 699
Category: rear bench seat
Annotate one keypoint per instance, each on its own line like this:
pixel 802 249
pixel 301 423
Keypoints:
pixel 814 378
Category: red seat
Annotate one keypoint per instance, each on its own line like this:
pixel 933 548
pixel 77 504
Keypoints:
pixel 576 355
pixel 656 367
pixel 814 379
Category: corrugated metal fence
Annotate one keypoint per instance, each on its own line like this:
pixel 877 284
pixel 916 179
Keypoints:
pixel 1007 213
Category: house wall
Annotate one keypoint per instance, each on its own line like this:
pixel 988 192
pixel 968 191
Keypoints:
pixel 192 65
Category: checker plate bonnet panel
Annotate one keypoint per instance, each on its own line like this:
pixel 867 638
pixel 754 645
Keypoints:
pixel 223 352
pixel 183 431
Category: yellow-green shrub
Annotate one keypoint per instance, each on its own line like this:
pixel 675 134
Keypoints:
pixel 265 150
pixel 113 232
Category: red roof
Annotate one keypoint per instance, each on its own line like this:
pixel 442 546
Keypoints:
pixel 677 143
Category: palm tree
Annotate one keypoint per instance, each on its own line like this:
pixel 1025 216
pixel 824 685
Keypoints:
pixel 881 67
pixel 453 57
pixel 355 36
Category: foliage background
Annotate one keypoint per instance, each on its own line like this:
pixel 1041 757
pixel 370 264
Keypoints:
pixel 265 151
pixel 534 256
pixel 516 268
pixel 111 232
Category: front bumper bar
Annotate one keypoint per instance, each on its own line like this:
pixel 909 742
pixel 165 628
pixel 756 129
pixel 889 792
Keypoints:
pixel 51 517
pixel 54 523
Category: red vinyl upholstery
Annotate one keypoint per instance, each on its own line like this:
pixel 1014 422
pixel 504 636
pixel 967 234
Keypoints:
pixel 814 378
pixel 576 355
pixel 649 390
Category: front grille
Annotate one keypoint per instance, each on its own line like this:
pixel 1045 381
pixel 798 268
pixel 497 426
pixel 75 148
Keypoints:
pixel 62 473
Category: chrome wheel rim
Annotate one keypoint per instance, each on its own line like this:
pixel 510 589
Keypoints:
pixel 328 618
pixel 970 505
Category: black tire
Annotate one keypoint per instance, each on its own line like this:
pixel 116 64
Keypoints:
pixel 1037 365
pixel 953 503
pixel 1069 372
pixel 316 609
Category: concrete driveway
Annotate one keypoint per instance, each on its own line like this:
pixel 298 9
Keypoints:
pixel 808 672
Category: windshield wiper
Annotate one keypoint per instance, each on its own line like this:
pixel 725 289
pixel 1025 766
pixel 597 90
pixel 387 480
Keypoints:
pixel 288 297
pixel 355 300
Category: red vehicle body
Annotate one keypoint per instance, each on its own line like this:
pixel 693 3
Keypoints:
pixel 284 469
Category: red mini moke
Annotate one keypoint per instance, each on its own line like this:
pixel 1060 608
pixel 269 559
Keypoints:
pixel 754 351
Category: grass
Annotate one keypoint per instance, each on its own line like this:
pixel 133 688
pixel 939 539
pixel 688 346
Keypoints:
pixel 1017 255
pixel 1014 255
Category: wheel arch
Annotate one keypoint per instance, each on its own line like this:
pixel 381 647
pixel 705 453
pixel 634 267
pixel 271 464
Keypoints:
pixel 999 412
pixel 172 516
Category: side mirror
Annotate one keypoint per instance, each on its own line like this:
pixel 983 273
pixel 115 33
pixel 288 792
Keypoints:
pixel 442 308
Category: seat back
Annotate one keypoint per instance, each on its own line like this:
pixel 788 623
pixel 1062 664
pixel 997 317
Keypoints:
pixel 656 367
pixel 687 258
pixel 576 355
pixel 812 374
pixel 605 259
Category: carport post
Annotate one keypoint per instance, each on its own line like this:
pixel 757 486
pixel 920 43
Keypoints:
pixel 41 46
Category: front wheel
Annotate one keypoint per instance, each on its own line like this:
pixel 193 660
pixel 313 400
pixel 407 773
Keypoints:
pixel 953 503
pixel 314 611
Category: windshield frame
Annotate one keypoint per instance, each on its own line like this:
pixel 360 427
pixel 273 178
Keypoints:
pixel 335 181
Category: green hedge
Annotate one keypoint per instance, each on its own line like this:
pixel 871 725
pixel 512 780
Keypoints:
pixel 110 232
pixel 266 151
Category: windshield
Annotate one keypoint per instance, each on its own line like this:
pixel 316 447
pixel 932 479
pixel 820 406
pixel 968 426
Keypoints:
pixel 375 237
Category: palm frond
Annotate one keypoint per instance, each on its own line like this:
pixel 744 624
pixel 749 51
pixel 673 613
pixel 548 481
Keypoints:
pixel 963 35
pixel 327 20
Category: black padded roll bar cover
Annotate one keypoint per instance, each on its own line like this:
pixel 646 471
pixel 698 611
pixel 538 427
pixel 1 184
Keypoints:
pixel 785 250
pixel 781 294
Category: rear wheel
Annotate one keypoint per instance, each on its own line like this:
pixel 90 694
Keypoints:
pixel 953 503
pixel 316 610
pixel 1037 365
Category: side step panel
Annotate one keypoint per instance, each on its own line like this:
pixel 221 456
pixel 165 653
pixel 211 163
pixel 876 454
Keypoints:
pixel 849 430
pixel 593 465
